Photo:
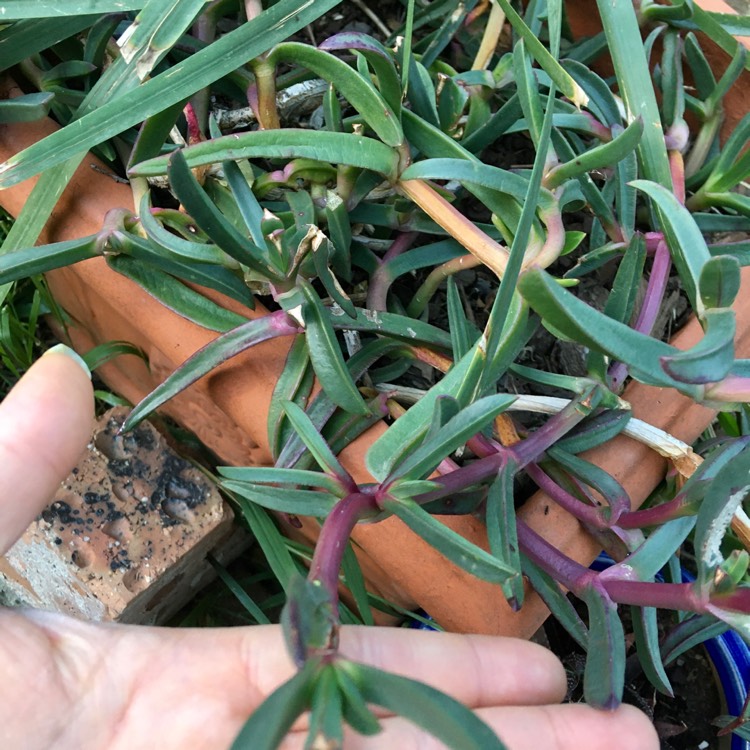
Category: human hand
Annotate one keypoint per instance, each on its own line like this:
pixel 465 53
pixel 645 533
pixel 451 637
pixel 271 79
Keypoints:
pixel 70 684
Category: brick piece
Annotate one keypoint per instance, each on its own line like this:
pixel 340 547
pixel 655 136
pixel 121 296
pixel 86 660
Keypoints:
pixel 126 536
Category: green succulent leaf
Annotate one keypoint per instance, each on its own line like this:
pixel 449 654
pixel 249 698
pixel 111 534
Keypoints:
pixel 451 435
pixel 284 499
pixel 221 349
pixel 595 431
pixel 686 243
pixel 604 676
pixel 272 543
pixel 733 164
pixel 325 354
pixel 655 552
pixel 370 103
pixel 604 155
pixel 326 717
pixel 355 582
pixel 546 61
pixel 208 275
pixel 379 58
pixel 28 261
pixel 175 296
pixel 602 101
pixel 323 256
pixel 449 543
pixel 690 633
pixel 208 217
pixel 712 357
pixel 646 632
pixel 315 442
pixel 355 709
pixel 251 210
pixel 154 132
pixel 625 45
pixel 272 720
pixel 476 173
pixel 28 36
pixel 502 533
pixel 286 389
pixel 26 108
pixel 60 9
pixel 106 352
pixel 273 475
pixel 579 322
pixel 289 143
pixel 442 716
pixel 557 602
pixel 197 252
pixel 463 334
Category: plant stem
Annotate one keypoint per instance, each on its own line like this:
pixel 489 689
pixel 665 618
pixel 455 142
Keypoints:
pixel 563 569
pixel 657 285
pixel 261 96
pixel 532 447
pixel 436 277
pixel 338 526
pixel 204 29
pixel 490 38
pixel 678 596
pixel 489 252
pixel 466 476
pixel 588 514
pixel 381 280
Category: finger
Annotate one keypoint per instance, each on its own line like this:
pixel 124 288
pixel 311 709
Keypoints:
pixel 184 684
pixel 569 727
pixel 45 422
pixel 476 670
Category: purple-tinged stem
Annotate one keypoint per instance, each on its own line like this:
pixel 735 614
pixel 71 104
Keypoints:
pixel 337 528
pixel 732 388
pixel 193 126
pixel 736 601
pixel 574 577
pixel 659 514
pixel 652 241
pixel 587 514
pixel 563 569
pixel 460 479
pixel 282 324
pixel 602 132
pixel 483 446
pixel 532 448
pixel 381 280
pixel 657 285
pixel 679 596
pixel 447 466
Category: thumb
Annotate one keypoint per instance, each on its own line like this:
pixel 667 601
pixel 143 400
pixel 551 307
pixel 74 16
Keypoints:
pixel 45 423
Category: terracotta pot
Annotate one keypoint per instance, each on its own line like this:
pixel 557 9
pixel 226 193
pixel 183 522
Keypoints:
pixel 228 408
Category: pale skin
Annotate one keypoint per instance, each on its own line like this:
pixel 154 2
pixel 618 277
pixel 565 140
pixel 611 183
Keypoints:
pixel 70 685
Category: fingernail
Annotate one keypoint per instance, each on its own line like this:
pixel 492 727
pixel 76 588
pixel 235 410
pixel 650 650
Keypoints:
pixel 68 352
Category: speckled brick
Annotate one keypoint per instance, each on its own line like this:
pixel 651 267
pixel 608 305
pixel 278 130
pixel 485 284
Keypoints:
pixel 126 536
